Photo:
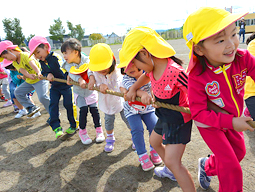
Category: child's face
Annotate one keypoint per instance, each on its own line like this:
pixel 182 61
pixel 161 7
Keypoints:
pixel 143 61
pixel 70 55
pixel 41 53
pixel 220 48
pixel 133 71
pixel 10 56
pixel 104 72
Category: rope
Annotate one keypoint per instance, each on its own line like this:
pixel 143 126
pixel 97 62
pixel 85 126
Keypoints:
pixel 160 104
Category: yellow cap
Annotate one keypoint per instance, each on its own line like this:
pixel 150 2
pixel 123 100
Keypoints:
pixel 251 47
pixel 143 37
pixel 101 57
pixel 204 23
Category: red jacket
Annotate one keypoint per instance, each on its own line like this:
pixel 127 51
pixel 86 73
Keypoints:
pixel 224 86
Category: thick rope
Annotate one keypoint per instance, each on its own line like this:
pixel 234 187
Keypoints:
pixel 160 104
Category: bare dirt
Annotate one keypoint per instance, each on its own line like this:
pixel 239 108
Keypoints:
pixel 31 159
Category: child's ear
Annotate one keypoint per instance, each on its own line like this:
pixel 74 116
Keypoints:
pixel 198 50
pixel 46 47
pixel 144 52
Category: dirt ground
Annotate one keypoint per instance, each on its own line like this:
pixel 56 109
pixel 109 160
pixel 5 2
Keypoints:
pixel 31 159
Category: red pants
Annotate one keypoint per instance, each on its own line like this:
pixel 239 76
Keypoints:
pixel 229 149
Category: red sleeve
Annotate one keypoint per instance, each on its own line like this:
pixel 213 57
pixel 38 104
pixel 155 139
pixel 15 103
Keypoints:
pixel 198 106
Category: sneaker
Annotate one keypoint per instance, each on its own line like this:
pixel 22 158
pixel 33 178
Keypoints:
pixel 163 172
pixel 100 135
pixel 84 137
pixel 21 113
pixel 146 163
pixel 2 98
pixel 58 132
pixel 32 110
pixel 203 179
pixel 109 144
pixel 155 158
pixel 8 103
pixel 38 114
pixel 16 110
pixel 71 130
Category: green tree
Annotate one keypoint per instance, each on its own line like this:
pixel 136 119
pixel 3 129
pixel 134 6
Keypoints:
pixel 96 36
pixel 75 31
pixel 57 30
pixel 30 37
pixel 13 31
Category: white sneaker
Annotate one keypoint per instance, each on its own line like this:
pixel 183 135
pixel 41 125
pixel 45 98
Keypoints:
pixel 21 113
pixel 8 103
pixel 99 135
pixel 38 114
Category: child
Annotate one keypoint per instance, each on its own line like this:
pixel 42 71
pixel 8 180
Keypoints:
pixel 29 67
pixel 136 113
pixel 51 63
pixel 84 98
pixel 217 71
pixel 144 48
pixel 16 80
pixel 249 95
pixel 107 77
pixel 4 82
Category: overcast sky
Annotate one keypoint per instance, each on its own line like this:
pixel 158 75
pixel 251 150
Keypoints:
pixel 102 16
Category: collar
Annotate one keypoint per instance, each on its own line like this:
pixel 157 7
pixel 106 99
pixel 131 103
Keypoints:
pixel 218 70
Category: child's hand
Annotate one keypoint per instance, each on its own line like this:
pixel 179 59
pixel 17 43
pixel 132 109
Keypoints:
pixel 23 77
pixel 50 77
pixel 240 124
pixel 131 95
pixel 19 76
pixel 82 83
pixel 91 83
pixel 31 76
pixel 103 88
pixel 146 98
pixel 68 79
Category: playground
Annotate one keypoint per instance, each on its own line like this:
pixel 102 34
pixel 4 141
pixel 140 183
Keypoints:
pixel 32 160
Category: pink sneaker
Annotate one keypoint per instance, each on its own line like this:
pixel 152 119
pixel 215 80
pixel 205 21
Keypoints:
pixel 100 135
pixel 155 158
pixel 84 137
pixel 146 163
pixel 8 103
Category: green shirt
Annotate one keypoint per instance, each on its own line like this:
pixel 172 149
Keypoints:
pixel 24 64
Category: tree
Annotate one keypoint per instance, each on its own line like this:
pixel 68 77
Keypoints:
pixel 13 31
pixel 57 30
pixel 96 36
pixel 75 32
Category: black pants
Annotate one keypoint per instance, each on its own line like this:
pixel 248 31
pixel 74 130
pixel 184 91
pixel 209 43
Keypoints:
pixel 250 103
pixel 83 117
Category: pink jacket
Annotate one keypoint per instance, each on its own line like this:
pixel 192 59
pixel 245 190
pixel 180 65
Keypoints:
pixel 224 86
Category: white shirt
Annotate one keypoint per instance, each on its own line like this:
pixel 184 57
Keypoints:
pixel 110 104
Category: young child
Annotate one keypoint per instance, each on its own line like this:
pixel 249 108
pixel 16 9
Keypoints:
pixel 107 77
pixel 16 80
pixel 51 64
pixel 217 71
pixel 29 67
pixel 249 95
pixel 148 51
pixel 4 82
pixel 136 112
pixel 85 99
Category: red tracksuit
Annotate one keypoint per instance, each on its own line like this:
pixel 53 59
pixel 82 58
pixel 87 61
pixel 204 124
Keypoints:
pixel 224 86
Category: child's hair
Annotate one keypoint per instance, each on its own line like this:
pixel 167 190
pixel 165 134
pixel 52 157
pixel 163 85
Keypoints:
pixel 10 67
pixel 175 59
pixel 122 70
pixel 3 53
pixel 72 44
pixel 112 68
pixel 250 38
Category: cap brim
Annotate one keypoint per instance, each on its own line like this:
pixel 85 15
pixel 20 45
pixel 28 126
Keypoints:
pixel 6 63
pixel 80 70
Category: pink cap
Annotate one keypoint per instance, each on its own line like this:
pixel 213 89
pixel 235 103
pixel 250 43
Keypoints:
pixel 4 45
pixel 6 62
pixel 35 42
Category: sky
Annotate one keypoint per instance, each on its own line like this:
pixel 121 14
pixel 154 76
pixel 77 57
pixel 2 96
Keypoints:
pixel 107 16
